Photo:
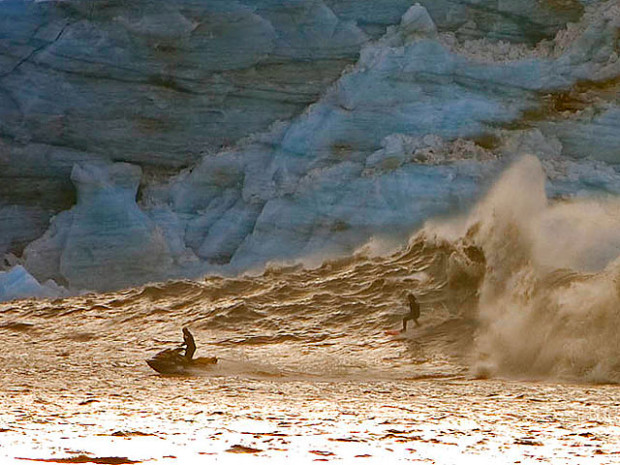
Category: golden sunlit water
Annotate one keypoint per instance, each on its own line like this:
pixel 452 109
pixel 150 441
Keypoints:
pixel 307 371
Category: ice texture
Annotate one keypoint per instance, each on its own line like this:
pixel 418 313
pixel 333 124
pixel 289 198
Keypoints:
pixel 17 283
pixel 105 241
pixel 263 131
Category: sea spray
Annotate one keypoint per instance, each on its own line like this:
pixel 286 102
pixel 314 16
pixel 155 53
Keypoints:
pixel 549 303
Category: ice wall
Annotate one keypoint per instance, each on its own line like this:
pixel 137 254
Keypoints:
pixel 152 82
pixel 17 283
pixel 105 241
pixel 271 130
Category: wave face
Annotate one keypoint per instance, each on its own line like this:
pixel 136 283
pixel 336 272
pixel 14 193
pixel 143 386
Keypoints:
pixel 329 322
pixel 522 287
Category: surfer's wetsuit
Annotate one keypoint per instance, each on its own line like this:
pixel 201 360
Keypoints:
pixel 414 312
pixel 190 345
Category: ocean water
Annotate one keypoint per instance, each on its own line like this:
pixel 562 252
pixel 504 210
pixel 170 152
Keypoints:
pixel 522 286
pixel 346 154
pixel 506 365
pixel 516 357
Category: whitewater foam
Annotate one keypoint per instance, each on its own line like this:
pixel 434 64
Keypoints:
pixel 549 300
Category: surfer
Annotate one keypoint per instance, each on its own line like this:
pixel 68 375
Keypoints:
pixel 414 312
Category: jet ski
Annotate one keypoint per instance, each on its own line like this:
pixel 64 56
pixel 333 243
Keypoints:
pixel 179 361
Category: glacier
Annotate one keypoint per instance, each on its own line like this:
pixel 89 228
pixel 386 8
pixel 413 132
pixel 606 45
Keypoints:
pixel 148 140
pixel 17 283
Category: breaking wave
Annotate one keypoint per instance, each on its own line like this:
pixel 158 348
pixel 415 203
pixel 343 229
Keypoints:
pixel 549 304
pixel 524 286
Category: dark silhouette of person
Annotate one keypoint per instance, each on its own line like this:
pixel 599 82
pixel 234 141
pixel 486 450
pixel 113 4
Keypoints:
pixel 189 343
pixel 414 312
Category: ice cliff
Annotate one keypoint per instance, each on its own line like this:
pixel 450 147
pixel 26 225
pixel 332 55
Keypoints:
pixel 146 140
